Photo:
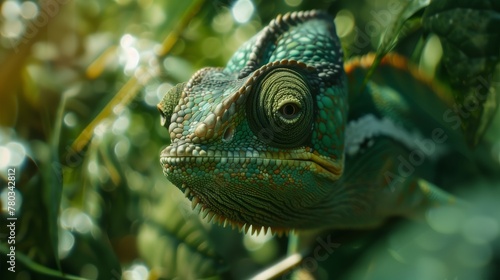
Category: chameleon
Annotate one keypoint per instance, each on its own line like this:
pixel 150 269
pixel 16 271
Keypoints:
pixel 286 136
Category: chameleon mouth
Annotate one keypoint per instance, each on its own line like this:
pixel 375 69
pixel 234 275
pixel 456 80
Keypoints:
pixel 328 165
pixel 332 167
pixel 222 171
pixel 210 216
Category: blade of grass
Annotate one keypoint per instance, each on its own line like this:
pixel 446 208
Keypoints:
pixel 116 105
pixel 96 68
pixel 52 181
pixel 173 36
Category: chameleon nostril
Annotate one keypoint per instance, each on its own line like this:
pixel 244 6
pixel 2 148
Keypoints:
pixel 228 134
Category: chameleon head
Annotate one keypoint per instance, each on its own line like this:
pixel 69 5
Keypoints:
pixel 261 141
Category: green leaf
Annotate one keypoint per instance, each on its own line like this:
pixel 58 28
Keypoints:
pixel 405 22
pixel 36 267
pixel 470 34
pixel 176 242
pixel 52 182
pixel 399 29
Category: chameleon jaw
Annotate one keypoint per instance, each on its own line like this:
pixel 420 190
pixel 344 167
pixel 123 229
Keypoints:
pixel 208 211
pixel 219 174
pixel 210 216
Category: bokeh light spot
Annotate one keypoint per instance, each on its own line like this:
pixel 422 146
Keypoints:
pixel 344 23
pixel 89 271
pixel 445 220
pixel 127 40
pixel 92 167
pixel 66 243
pixel 17 153
pixel 82 223
pixel 4 157
pixel 136 271
pixel 4 197
pixel 121 124
pixel 293 3
pixel 431 55
pixel 222 22
pixel 70 119
pixel 10 9
pixel 29 10
pixel 45 50
pixel 242 11
pixel 122 148
pixel 12 28
pixel 480 229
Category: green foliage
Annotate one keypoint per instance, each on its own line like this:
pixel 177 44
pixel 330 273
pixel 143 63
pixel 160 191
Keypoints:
pixel 470 34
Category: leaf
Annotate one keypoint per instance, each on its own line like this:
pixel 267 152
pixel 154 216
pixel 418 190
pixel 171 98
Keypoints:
pixel 470 34
pixel 176 243
pixel 396 31
pixel 400 27
pixel 94 249
pixel 52 182
pixel 36 267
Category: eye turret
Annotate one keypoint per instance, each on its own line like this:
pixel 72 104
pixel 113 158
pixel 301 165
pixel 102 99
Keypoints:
pixel 281 107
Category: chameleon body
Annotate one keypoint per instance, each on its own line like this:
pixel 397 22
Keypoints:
pixel 278 140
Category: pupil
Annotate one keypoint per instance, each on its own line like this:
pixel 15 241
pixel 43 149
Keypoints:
pixel 289 110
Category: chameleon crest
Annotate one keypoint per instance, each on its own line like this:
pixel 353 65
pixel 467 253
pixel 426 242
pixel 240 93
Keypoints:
pixel 260 141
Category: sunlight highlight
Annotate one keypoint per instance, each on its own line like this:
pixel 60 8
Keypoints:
pixel 242 11
pixel 17 153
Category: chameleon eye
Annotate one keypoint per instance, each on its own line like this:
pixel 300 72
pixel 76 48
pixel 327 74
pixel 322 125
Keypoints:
pixel 280 108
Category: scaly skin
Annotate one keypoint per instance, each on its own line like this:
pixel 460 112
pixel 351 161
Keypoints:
pixel 266 141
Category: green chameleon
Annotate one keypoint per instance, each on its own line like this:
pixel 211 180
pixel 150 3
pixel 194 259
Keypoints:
pixel 287 137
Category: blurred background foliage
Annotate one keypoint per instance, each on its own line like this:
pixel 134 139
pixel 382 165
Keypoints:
pixel 79 84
